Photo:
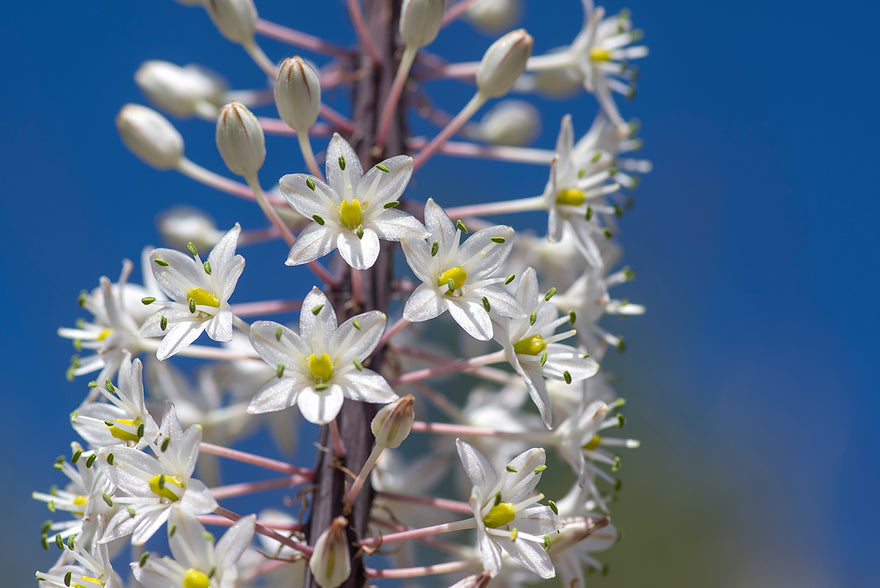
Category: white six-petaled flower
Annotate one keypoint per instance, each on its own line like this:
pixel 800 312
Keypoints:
pixel 353 210
pixel 323 364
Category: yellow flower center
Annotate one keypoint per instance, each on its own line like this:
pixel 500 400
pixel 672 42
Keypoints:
pixel 320 367
pixel 90 580
pixel 126 434
pixel 80 500
pixel 104 334
pixel 500 515
pixel 196 579
pixel 593 443
pixel 203 297
pixel 350 213
pixel 456 275
pixel 570 197
pixel 599 54
pixel 530 345
pixel 159 486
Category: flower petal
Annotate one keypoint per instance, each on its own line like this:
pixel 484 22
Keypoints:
pixel 424 304
pixel 472 317
pixel 359 253
pixel 343 182
pixel 313 242
pixel 320 407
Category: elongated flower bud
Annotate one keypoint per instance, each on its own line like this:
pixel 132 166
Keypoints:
pixel 511 122
pixel 393 422
pixel 180 225
pixel 420 21
pixel 235 19
pixel 504 62
pixel 329 563
pixel 297 94
pixel 494 16
pixel 150 136
pixel 182 91
pixel 240 139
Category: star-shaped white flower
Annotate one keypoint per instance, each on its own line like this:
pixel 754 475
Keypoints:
pixel 323 364
pixel 354 211
pixel 199 293
pixel 508 516
pixel 457 277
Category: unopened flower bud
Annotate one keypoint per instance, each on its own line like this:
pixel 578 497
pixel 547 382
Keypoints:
pixel 511 122
pixel 150 136
pixel 330 563
pixel 235 19
pixel 393 422
pixel 240 139
pixel 182 91
pixel 297 94
pixel 180 225
pixel 504 62
pixel 420 21
pixel 494 16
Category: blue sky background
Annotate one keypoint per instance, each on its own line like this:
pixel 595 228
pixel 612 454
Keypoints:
pixel 751 380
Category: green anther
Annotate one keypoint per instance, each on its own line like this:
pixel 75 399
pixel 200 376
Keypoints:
pixel 109 385
pixel 192 305
pixel 621 345
pixel 357 324
pixel 450 285
pixel 58 466
pixel 125 434
pixel 321 387
pixel 616 465
pixel 618 485
pixel 498 239
pixel 165 443
pixel 596 156
pixel 341 162
pixel 621 420
pixel 51 505
pixel 279 371
pixel 461 226
pixel 161 262
pixel 435 246
pixel 509 279
pixel 107 499
pixel 533 317
pixel 60 459
pixel 546 541
pixel 582 172
pixel 543 359
pixel 589 214
pixel 82 299
pixel 358 365
pixel 59 541
pixel 159 485
pixel 454 278
pixel 391 204
pixel 513 534
pixel 501 514
pixel 172 529
pixel 208 536
pixel 320 367
pixel 44 541
pixel 351 214
pixel 572 317
pixel 540 469
pixel 148 300
pixel 192 248
pixel 570 197
pixel 585 355
pixel 90 461
pixel 486 304
pixel 510 468
pixel 131 512
pixel 317 309
pixel 207 267
pixel 78 345
pixel 76 455
pixel 163 322
pixel 359 231
pixel 310 183
pixel 629 274
pixel 202 297
pixel 619 403
pixel 618 211
pixel 553 507
pixel 67 577
pixel 278 332
pixel 383 167
pixel 318 219
pixel 532 345
pixel 71 542
pixel 550 293
pixel 497 499
pixel 196 579
pixel 213 569
pixel 111 459
pixel 612 171
pixel 140 431
pixel 93 384
pixel 45 526
pixel 607 233
pixel 567 376
pixel 143 559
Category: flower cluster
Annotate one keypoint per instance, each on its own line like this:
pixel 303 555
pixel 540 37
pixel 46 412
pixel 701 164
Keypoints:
pixel 490 342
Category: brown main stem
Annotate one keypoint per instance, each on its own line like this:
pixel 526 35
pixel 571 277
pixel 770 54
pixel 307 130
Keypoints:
pixel 369 94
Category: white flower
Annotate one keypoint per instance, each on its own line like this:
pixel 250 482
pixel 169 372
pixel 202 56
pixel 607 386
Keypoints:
pixel 147 487
pixel 199 294
pixel 353 211
pixel 91 570
pixel 532 348
pixel 197 560
pixel 323 364
pixel 509 518
pixel 459 277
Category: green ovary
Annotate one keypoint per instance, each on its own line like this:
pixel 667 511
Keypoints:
pixel 196 579
pixel 457 274
pixel 570 197
pixel 500 515
pixel 351 214
pixel 320 367
pixel 203 297
pixel 159 486
pixel 533 345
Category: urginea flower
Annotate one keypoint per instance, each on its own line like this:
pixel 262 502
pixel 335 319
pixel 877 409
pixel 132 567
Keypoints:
pixel 330 563
pixel 459 277
pixel 508 516
pixel 199 293
pixel 353 211
pixel 323 364
pixel 532 345
pixel 297 94
pixel 91 568
pixel 503 63
pixel 150 136
pixel 181 90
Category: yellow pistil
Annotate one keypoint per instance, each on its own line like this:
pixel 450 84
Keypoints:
pixel 203 297
pixel 533 345
pixel 570 197
pixel 104 334
pixel 196 579
pixel 457 274
pixel 91 580
pixel 320 367
pixel 351 214
pixel 159 486
pixel 600 54
pixel 125 434
pixel 593 443
pixel 81 500
pixel 501 514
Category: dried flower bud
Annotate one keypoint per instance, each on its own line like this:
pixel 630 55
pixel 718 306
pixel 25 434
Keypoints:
pixel 420 21
pixel 182 91
pixel 297 94
pixel 393 422
pixel 240 139
pixel 511 122
pixel 235 19
pixel 494 16
pixel 504 62
pixel 329 563
pixel 150 136
pixel 180 225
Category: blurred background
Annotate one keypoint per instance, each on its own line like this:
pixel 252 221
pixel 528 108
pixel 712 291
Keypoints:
pixel 749 381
